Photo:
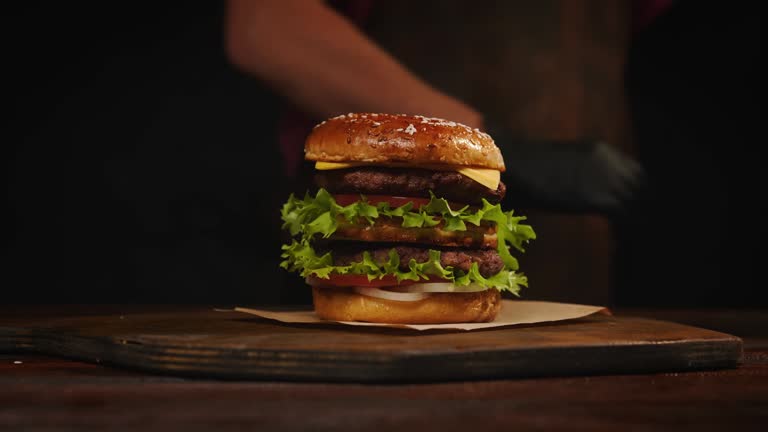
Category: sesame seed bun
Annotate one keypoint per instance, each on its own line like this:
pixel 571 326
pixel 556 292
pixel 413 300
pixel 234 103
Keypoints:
pixel 402 140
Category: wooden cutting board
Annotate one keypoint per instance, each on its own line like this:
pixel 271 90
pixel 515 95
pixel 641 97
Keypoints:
pixel 232 345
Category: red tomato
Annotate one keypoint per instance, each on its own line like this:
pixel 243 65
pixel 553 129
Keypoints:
pixel 354 280
pixel 349 280
pixel 394 201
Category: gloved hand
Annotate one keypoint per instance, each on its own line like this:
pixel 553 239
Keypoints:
pixel 580 176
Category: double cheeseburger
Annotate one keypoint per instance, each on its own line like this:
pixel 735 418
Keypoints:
pixel 405 225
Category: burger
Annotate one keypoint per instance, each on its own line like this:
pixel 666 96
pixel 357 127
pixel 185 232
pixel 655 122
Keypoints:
pixel 405 224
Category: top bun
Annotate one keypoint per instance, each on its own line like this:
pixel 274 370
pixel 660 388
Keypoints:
pixel 401 139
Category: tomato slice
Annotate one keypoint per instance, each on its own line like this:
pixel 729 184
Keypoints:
pixel 348 280
pixel 394 201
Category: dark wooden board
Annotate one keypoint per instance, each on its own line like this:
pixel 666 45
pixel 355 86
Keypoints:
pixel 208 343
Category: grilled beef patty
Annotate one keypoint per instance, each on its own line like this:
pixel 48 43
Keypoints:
pixel 408 182
pixel 488 261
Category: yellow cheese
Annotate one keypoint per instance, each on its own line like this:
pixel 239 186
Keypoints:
pixel 333 165
pixel 486 177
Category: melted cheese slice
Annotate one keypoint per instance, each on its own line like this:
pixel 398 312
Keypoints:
pixel 486 177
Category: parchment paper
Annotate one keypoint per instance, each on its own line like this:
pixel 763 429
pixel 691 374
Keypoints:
pixel 513 312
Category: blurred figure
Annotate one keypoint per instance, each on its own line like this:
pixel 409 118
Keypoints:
pixel 147 167
pixel 312 54
pixel 316 55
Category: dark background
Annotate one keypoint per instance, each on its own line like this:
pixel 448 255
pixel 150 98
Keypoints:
pixel 142 167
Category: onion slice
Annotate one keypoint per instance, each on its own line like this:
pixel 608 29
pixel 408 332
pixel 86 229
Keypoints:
pixel 439 287
pixel 390 295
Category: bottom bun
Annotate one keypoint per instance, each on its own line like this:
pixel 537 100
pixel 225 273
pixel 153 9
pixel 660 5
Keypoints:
pixel 343 304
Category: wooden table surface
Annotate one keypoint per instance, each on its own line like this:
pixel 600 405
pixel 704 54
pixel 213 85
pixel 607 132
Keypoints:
pixel 43 393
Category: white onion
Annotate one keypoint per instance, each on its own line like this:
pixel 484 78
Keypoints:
pixel 390 295
pixel 439 287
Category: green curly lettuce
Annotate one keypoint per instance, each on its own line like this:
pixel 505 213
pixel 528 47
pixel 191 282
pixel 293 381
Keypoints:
pixel 320 215
pixel 300 256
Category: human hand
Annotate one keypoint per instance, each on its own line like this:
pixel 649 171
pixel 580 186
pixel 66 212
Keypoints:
pixel 580 176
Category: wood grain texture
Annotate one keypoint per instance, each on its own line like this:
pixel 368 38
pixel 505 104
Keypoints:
pixel 206 343
pixel 45 394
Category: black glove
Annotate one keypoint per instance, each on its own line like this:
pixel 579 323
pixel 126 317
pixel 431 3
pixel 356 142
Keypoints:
pixel 580 176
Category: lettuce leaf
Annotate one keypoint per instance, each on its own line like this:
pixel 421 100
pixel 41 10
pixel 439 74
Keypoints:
pixel 300 256
pixel 319 215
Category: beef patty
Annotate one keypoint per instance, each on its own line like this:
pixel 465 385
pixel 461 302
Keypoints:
pixel 390 230
pixel 408 182
pixel 488 261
